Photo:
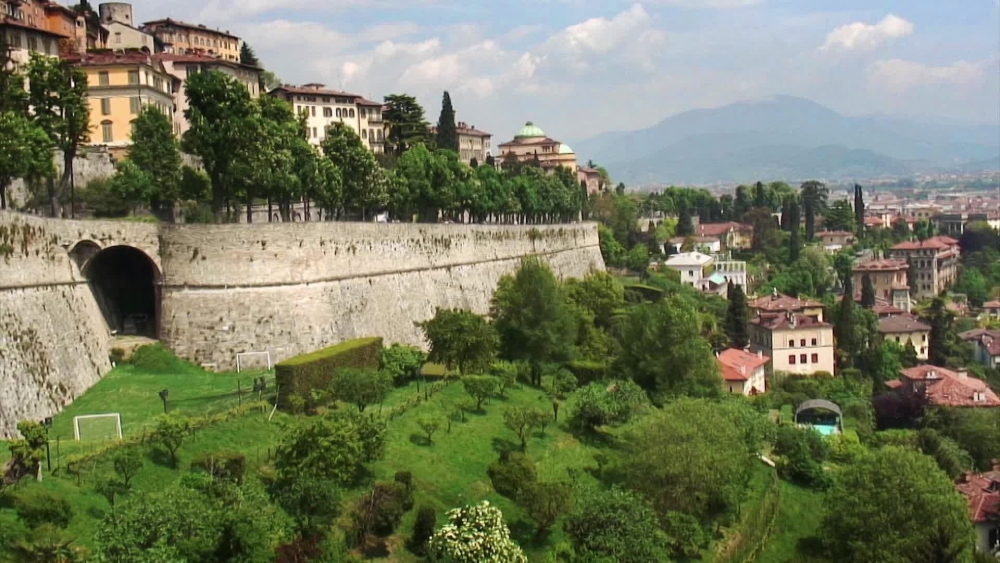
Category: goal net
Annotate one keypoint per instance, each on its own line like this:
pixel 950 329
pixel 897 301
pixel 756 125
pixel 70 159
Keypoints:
pixel 97 427
pixel 253 361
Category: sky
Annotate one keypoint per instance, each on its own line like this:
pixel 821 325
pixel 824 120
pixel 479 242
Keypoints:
pixel 581 67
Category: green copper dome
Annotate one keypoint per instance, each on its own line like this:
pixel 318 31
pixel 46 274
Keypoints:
pixel 530 130
pixel 564 149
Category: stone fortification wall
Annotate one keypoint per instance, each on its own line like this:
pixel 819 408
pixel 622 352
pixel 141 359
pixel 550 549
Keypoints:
pixel 53 339
pixel 291 288
pixel 287 288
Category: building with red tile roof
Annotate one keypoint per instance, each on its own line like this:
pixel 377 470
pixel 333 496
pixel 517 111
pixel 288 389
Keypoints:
pixel 905 329
pixel 472 143
pixel 742 371
pixel 795 342
pixel 943 387
pixel 839 238
pixel 889 279
pixel 322 107
pixel 982 493
pixel 732 235
pixel 778 303
pixel 987 343
pixel 992 308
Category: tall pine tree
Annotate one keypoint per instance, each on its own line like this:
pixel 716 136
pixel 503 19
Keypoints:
pixel 814 196
pixel 248 56
pixel 942 332
pixel 447 134
pixel 794 241
pixel 737 317
pixel 867 292
pixel 843 330
pixel 760 195
pixel 685 227
pixel 859 209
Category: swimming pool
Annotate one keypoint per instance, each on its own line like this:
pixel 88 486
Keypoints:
pixel 824 429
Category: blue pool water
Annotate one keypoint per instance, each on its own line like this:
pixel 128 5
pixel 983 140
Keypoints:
pixel 825 429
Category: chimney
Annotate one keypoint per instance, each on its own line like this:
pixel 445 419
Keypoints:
pixel 743 370
pixel 963 374
pixel 760 355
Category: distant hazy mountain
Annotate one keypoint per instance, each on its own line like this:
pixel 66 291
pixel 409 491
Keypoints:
pixel 786 138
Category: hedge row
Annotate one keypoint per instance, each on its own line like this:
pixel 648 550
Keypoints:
pixel 299 375
pixel 587 372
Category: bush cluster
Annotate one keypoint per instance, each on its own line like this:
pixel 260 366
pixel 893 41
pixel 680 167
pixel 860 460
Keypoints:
pixel 299 376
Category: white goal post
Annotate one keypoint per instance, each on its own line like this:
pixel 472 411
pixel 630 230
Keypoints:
pixel 241 355
pixel 77 419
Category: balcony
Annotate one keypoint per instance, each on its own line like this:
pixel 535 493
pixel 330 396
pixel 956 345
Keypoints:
pixel 376 119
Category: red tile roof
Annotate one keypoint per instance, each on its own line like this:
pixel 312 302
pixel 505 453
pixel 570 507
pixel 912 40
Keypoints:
pixel 885 309
pixel 533 141
pixel 983 495
pixel 901 324
pixel 773 303
pixel 109 58
pixel 739 365
pixel 834 234
pixel 881 265
pixel 873 222
pixel 193 58
pixel 936 243
pixel 992 304
pixel 781 321
pixel 175 23
pixel 314 91
pixel 944 387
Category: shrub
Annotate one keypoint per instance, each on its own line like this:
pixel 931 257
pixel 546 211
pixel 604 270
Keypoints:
pixel 802 452
pixel 511 474
pixel 299 375
pixel 686 535
pixel 603 403
pixel 313 502
pixel 225 465
pixel 36 507
pixel 563 383
pixel 402 362
pixel 127 462
pixel 475 534
pixel 506 374
pixel 404 478
pixel 159 360
pixel 361 387
pixel 616 525
pixel 380 511
pixel 480 388
pixel 545 503
pixel 117 356
pixel 169 433
pixel 423 529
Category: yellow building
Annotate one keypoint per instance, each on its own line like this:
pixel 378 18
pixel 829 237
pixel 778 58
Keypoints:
pixel 182 38
pixel 903 329
pixel 118 86
pixel 796 343
pixel 532 143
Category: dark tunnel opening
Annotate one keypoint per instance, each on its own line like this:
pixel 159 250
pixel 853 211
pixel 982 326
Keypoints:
pixel 125 283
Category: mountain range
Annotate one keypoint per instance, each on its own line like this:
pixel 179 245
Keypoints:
pixel 787 138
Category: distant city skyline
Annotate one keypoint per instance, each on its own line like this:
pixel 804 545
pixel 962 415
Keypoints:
pixel 582 67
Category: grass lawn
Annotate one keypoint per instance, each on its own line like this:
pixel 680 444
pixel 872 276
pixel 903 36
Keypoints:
pixel 799 517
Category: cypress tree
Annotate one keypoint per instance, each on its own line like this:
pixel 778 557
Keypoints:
pixel 684 226
pixel 248 56
pixel 447 134
pixel 843 330
pixel 737 317
pixel 760 195
pixel 941 328
pixel 867 292
pixel 909 357
pixel 795 240
pixel 859 209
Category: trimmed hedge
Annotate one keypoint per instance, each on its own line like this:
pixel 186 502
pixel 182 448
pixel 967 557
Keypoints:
pixel 587 372
pixel 297 376
pixel 637 293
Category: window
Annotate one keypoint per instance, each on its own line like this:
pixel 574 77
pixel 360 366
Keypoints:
pixel 134 105
pixel 313 110
pixel 813 341
pixel 105 106
pixel 802 342
pixel 371 134
pixel 791 343
pixel 802 359
pixel 32 43
pixel 338 112
pixel 364 133
pixel 327 112
pixel 315 135
pixel 133 77
pixel 118 37
pixel 106 131
pixel 791 359
pixel 923 338
pixel 815 358
pixel 363 112
pixel 352 113
pixel 897 339
pixel 102 78
pixel 380 134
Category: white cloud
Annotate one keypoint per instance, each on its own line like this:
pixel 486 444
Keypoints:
pixel 897 75
pixel 600 35
pixel 708 4
pixel 387 31
pixel 860 36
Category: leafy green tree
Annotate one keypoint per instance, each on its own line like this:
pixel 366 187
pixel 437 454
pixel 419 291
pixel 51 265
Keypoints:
pixel 685 228
pixel 320 448
pixel 402 362
pixel 248 56
pixel 687 537
pixel 737 317
pixel 909 357
pixel 475 534
pixel 127 462
pixel 512 474
pixel 407 125
pixel 973 430
pixel 363 181
pixel 923 230
pixel 663 351
pixel 839 217
pixel 447 136
pixel 521 420
pixel 532 315
pixel 130 184
pixel 13 97
pixel 882 363
pixel 57 95
pixel 794 240
pixel 480 387
pixel 460 338
pixel 25 151
pixel 608 403
pixel 111 489
pixel 814 195
pixel 867 292
pixel 931 524
pixel 429 426
pixel 616 525
pixel 35 507
pixel 701 470
pixel 46 543
pixel 223 133
pixel 361 387
pixel 423 529
pixel 26 452
pixel 169 433
pixel 313 502
pixel 741 204
pixel 802 452
pixel 156 152
pixel 103 201
pixel 545 503
pixel 973 284
pixel 766 236
pixel 900 230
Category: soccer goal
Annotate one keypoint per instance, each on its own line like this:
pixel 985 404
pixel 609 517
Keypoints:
pixel 97 427
pixel 253 361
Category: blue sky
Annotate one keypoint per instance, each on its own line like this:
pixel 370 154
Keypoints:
pixel 582 67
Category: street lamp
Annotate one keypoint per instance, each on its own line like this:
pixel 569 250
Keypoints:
pixel 163 397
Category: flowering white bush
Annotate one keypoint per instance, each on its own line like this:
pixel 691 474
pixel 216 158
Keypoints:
pixel 475 534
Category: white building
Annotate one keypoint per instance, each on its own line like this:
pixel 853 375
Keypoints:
pixel 694 267
pixel 742 371
pixel 323 108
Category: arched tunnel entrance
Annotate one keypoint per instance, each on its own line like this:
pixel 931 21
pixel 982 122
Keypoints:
pixel 126 285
